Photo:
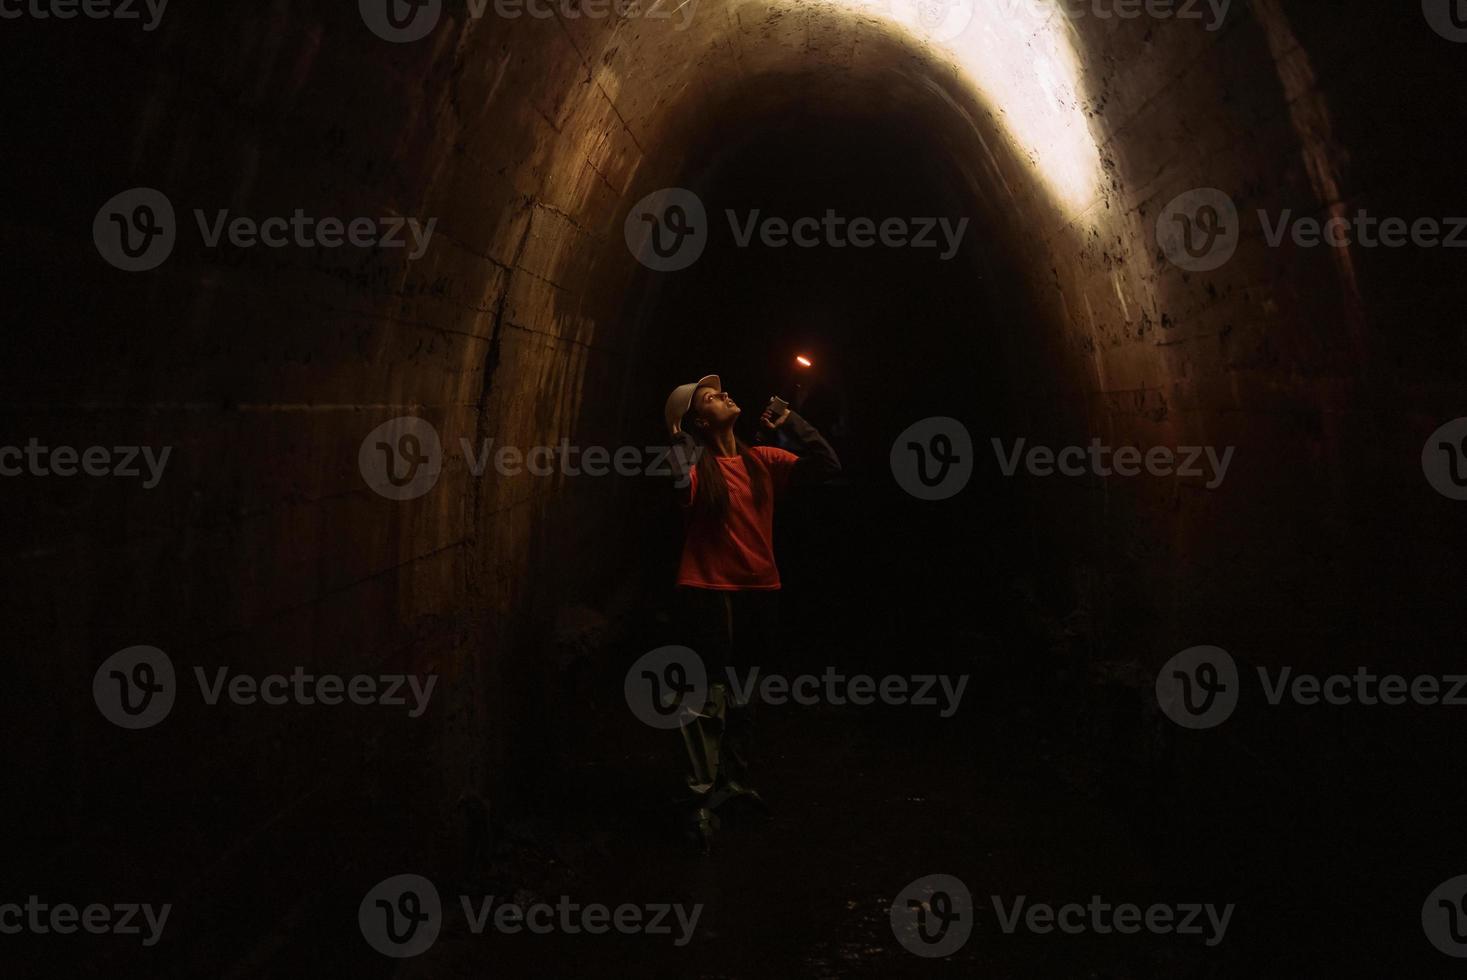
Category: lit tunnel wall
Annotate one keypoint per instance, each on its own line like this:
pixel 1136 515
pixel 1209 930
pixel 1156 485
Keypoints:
pixel 528 140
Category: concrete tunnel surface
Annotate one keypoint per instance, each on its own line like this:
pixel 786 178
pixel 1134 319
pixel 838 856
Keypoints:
pixel 525 319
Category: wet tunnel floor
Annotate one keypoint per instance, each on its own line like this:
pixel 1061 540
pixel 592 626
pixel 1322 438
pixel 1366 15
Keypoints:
pixel 1047 783
pixel 865 802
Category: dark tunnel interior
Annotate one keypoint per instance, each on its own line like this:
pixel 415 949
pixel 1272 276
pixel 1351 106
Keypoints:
pixel 893 334
pixel 1168 690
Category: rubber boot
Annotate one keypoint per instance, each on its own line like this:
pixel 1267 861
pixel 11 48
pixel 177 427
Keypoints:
pixel 703 739
pixel 733 786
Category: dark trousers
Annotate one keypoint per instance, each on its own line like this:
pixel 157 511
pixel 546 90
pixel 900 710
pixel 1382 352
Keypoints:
pixel 737 630
pixel 729 631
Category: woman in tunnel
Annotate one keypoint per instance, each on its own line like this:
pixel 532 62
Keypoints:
pixel 728 582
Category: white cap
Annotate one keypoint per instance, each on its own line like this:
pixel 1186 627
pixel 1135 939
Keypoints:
pixel 681 400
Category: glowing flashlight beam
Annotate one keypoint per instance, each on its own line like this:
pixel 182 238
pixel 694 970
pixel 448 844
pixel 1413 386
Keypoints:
pixel 1021 57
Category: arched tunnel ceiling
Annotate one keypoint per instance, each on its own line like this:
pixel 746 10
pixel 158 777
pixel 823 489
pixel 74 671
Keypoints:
pixel 527 141
pixel 1022 58
pixel 999 88
pixel 1008 70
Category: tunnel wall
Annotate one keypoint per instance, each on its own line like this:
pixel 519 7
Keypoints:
pixel 527 140
pixel 262 549
pixel 1325 368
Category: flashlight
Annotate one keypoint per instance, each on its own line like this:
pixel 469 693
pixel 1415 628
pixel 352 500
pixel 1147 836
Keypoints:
pixel 777 405
pixel 802 364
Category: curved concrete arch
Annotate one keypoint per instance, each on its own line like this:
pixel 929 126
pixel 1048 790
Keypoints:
pixel 524 319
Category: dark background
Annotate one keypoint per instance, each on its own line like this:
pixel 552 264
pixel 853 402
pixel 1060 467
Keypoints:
pixel 529 321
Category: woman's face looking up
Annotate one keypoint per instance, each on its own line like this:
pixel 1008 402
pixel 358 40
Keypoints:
pixel 715 408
